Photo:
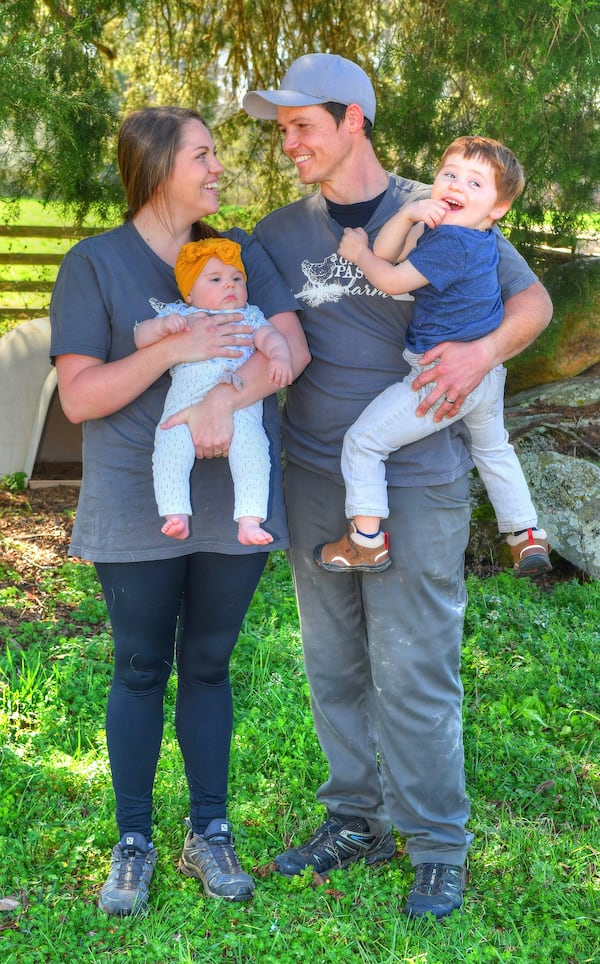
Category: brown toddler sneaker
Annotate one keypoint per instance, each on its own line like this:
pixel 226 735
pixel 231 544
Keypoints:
pixel 347 555
pixel 530 552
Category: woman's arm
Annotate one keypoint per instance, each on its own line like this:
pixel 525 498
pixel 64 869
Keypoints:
pixel 91 388
pixel 211 420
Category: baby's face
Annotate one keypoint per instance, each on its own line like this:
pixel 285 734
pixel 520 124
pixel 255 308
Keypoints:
pixel 219 286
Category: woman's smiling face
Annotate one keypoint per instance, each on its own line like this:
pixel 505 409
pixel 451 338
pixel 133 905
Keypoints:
pixel 192 186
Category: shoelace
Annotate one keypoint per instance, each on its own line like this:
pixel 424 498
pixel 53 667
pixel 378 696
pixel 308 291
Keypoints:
pixel 431 879
pixel 224 854
pixel 130 868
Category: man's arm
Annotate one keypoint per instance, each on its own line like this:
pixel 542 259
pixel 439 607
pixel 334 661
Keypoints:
pixel 462 365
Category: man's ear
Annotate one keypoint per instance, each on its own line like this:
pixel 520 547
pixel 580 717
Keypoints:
pixel 354 117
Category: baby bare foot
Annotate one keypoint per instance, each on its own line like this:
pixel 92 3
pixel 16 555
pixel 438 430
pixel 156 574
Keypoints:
pixel 250 533
pixel 176 526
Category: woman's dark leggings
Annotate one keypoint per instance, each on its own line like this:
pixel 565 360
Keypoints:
pixel 193 607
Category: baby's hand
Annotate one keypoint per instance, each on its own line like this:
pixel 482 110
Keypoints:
pixel 279 371
pixel 429 211
pixel 171 324
pixel 354 242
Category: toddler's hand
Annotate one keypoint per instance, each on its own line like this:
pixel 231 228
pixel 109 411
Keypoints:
pixel 431 212
pixel 354 242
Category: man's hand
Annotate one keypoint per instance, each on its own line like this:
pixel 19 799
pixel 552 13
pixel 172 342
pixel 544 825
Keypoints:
pixel 461 367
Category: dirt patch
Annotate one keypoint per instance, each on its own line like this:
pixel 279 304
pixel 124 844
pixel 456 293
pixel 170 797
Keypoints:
pixel 37 525
pixel 61 471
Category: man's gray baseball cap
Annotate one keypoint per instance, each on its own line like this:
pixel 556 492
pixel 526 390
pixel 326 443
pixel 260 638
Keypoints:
pixel 315 79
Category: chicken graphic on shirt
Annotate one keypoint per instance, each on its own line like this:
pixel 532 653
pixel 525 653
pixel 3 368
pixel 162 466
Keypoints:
pixel 319 288
pixel 335 278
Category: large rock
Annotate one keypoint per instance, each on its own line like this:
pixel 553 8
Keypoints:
pixel 566 491
pixel 571 343
pixel 555 429
pixel 561 416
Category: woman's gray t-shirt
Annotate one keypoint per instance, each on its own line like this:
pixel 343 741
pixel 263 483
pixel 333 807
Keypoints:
pixel 103 287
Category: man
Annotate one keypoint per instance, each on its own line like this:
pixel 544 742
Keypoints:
pixel 382 651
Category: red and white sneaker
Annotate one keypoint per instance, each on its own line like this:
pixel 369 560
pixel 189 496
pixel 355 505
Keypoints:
pixel 530 552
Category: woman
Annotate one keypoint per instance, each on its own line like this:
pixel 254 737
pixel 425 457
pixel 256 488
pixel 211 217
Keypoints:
pixel 164 595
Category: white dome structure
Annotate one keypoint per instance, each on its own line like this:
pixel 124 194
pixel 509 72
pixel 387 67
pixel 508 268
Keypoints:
pixel 33 427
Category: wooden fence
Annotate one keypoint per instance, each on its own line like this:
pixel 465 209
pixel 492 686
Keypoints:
pixel 37 260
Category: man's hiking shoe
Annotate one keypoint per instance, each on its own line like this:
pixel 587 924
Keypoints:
pixel 336 843
pixel 126 889
pixel 530 552
pixel 348 555
pixel 210 857
pixel 437 889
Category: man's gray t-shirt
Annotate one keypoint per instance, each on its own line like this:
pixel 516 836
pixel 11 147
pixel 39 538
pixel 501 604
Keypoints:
pixel 103 287
pixel 356 337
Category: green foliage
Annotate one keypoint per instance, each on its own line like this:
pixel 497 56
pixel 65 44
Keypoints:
pixel 524 73
pixel 57 103
pixel 13 483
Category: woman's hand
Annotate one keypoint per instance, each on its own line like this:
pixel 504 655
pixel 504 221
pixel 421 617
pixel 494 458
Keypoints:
pixel 210 422
pixel 210 336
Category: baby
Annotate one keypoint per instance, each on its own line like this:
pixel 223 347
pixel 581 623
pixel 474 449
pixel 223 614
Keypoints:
pixel 211 277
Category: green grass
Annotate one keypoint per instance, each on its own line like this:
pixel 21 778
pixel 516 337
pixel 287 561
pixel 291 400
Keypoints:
pixel 532 713
pixel 31 213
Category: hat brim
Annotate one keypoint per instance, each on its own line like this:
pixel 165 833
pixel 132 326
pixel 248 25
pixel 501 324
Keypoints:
pixel 263 104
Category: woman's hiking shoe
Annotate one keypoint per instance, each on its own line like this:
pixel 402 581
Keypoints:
pixel 350 555
pixel 126 889
pixel 210 857
pixel 335 844
pixel 437 889
pixel 530 552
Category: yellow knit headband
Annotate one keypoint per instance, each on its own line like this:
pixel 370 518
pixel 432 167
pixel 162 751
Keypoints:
pixel 192 259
